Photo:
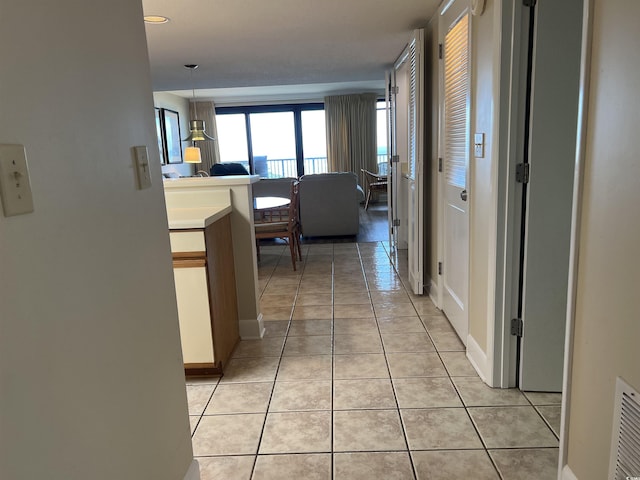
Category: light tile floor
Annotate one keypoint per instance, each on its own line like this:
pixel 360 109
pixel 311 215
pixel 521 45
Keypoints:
pixel 356 378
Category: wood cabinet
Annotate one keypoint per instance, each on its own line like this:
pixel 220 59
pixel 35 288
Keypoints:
pixel 206 295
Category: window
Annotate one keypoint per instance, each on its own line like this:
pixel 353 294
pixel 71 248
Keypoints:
pixel 232 139
pixel 381 136
pixel 274 141
pixel 314 141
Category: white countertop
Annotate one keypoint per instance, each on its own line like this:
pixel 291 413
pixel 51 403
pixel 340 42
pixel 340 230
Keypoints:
pixel 227 180
pixel 196 217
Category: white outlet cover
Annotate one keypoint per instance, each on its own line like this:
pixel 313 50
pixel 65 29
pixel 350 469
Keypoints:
pixel 15 187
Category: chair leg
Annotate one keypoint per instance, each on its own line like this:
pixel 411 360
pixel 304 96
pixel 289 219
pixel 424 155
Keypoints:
pixel 292 249
pixel 299 247
pixel 366 204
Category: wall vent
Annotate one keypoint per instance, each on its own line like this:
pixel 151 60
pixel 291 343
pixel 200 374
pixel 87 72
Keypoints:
pixel 625 444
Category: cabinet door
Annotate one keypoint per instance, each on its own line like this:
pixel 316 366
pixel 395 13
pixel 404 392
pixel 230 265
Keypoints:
pixel 222 288
pixel 192 295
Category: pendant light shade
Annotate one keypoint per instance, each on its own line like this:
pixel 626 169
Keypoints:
pixel 192 155
pixel 196 127
pixel 196 132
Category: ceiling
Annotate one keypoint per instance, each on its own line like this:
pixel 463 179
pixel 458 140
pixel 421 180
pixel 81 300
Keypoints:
pixel 247 45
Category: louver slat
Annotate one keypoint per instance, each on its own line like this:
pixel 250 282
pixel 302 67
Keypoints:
pixel 456 80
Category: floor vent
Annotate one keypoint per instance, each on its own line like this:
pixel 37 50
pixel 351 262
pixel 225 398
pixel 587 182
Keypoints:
pixel 625 448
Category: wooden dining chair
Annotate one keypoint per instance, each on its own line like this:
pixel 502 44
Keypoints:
pixel 374 184
pixel 283 223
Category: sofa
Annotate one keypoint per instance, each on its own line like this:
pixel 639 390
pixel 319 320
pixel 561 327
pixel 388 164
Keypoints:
pixel 329 202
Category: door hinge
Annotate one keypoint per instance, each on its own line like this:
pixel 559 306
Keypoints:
pixel 439 268
pixel 516 327
pixel 394 90
pixel 395 158
pixel 440 51
pixel 529 3
pixel 440 165
pixel 522 173
pixel 396 222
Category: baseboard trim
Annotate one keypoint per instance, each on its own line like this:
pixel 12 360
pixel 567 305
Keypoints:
pixel 478 359
pixel 252 329
pixel 194 471
pixel 202 369
pixel 433 293
pixel 567 474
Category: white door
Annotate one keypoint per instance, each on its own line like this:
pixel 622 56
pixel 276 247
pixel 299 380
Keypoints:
pixel 415 173
pixel 549 193
pixel 454 38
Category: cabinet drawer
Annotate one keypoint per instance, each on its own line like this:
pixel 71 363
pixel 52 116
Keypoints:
pixel 188 241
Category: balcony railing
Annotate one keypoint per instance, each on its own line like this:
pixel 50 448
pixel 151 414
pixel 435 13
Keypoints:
pixel 287 167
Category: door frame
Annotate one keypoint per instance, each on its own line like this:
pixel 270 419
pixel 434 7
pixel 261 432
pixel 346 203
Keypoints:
pixel 392 213
pixel 415 215
pixel 511 145
pixel 578 184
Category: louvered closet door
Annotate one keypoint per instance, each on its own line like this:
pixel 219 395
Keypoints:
pixel 455 144
pixel 415 179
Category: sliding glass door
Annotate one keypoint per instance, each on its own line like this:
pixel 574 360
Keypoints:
pixel 314 141
pixel 274 141
pixel 232 139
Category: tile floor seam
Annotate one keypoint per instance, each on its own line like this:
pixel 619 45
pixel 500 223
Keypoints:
pixel 273 387
pixel 544 419
pixel 205 408
pixel 333 361
pixel 475 427
pixel 395 396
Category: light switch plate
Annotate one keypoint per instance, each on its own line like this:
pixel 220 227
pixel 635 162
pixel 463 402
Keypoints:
pixel 15 188
pixel 142 167
pixel 478 145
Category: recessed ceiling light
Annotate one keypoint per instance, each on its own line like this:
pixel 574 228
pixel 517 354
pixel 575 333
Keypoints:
pixel 155 19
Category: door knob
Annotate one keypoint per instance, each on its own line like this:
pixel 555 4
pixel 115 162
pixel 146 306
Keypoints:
pixel 463 195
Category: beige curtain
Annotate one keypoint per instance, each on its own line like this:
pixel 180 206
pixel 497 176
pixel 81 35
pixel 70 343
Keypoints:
pixel 351 133
pixel 210 150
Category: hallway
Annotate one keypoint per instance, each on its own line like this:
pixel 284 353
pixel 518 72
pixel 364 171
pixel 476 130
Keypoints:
pixel 358 379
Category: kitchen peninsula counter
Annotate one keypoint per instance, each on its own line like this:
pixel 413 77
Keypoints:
pixel 216 192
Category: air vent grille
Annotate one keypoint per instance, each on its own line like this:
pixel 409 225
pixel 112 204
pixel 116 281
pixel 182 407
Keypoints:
pixel 625 448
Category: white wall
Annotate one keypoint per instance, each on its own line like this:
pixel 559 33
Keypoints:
pixel 180 105
pixel 90 362
pixel 607 326
pixel 485 40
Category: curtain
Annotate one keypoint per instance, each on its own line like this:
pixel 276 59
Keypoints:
pixel 210 150
pixel 351 133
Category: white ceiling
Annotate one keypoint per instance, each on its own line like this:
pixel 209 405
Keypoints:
pixel 265 43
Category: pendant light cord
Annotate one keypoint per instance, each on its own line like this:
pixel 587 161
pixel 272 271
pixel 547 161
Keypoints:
pixel 193 92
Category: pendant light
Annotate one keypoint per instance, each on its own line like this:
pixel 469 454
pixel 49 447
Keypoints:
pixel 192 154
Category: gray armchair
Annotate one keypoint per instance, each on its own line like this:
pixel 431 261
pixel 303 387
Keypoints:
pixel 329 204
